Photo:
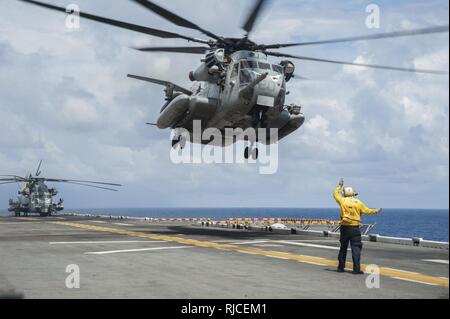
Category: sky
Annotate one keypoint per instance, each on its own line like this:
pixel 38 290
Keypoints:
pixel 65 99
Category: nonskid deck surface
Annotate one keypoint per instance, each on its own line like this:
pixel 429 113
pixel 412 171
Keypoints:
pixel 142 259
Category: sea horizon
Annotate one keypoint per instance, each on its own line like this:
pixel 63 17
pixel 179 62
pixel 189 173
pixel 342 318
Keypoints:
pixel 430 224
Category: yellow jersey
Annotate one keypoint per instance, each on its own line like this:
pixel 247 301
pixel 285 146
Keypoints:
pixel 351 208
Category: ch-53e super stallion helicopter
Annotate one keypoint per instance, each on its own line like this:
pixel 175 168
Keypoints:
pixel 37 198
pixel 235 86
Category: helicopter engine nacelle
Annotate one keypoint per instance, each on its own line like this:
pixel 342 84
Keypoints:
pixel 211 67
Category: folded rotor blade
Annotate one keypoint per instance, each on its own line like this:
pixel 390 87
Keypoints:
pixel 161 82
pixel 52 180
pixel 253 16
pixel 397 34
pixel 6 183
pixel 92 186
pixel 412 70
pixel 172 17
pixel 12 177
pixel 191 50
pixel 120 24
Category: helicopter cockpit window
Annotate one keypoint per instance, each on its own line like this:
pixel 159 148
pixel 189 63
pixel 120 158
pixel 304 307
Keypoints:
pixel 246 76
pixel 278 68
pixel 235 70
pixel 248 64
pixel 264 66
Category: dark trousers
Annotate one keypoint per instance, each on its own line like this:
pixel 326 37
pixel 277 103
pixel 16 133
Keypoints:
pixel 352 235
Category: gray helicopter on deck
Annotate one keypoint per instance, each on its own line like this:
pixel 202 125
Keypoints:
pixel 35 197
pixel 235 87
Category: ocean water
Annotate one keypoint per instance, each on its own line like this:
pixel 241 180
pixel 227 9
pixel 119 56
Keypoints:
pixel 431 224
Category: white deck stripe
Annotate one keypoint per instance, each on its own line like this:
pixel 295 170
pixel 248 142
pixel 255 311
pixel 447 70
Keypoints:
pixel 312 263
pixel 250 242
pixel 20 223
pixel 105 242
pixel 406 272
pixel 307 245
pixel 134 250
pixel 122 224
pixel 415 281
pixel 437 261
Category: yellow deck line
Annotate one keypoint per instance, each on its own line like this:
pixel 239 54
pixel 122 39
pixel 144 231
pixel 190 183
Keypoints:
pixel 426 279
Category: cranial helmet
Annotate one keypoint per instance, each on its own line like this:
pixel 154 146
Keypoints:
pixel 349 192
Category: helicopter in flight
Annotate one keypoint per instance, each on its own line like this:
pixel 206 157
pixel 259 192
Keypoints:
pixel 236 86
pixel 37 198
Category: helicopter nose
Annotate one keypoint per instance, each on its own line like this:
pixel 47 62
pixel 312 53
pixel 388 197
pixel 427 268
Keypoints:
pixel 268 91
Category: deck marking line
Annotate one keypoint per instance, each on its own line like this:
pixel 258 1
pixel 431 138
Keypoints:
pixel 307 245
pixel 415 281
pixel 408 272
pixel 250 242
pixel 437 261
pixel 134 250
pixel 106 242
pixel 207 244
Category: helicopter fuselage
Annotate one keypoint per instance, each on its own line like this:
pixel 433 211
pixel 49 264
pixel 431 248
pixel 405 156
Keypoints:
pixel 36 198
pixel 245 91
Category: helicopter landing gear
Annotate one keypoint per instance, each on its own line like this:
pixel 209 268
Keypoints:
pixel 179 141
pixel 251 152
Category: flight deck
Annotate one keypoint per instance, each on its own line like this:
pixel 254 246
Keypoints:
pixel 180 259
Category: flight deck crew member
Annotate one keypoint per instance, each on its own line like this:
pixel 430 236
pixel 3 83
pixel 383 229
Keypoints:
pixel 351 210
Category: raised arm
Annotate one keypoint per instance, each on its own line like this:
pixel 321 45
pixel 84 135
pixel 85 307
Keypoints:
pixel 337 192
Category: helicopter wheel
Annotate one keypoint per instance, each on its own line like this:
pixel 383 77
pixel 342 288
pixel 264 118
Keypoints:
pixel 180 141
pixel 255 153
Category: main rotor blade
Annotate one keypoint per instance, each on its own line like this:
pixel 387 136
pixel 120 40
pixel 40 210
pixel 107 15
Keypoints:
pixel 161 82
pixel 52 180
pixel 397 34
pixel 12 182
pixel 437 72
pixel 176 19
pixel 38 172
pixel 253 16
pixel 120 24
pixel 191 50
pixel 15 177
pixel 92 186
